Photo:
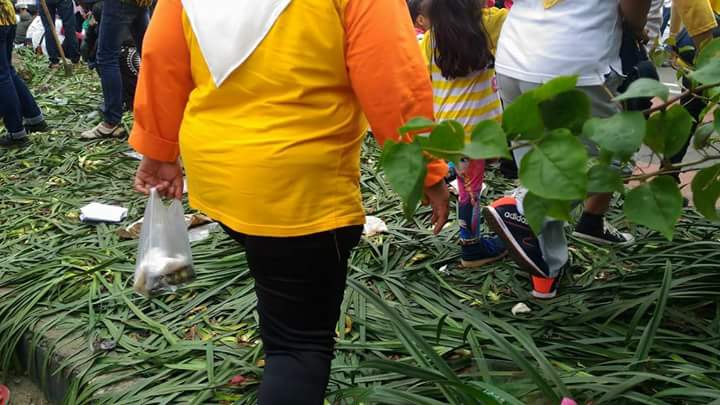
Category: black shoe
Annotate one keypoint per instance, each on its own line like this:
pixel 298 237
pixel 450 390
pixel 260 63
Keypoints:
pixel 483 251
pixel 7 141
pixel 41 126
pixel 595 229
pixel 506 221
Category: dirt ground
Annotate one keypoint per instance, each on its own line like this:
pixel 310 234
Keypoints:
pixel 23 391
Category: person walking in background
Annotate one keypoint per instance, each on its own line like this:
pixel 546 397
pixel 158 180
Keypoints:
pixel 18 108
pixel 65 10
pixel 419 16
pixel 22 26
pixel 117 17
pixel 666 12
pixel 540 40
pixel 459 50
pixel 270 141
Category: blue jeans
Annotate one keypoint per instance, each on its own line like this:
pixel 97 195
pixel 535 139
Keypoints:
pixel 667 12
pixel 64 9
pixel 116 17
pixel 16 101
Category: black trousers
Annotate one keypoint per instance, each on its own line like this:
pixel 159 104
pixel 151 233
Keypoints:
pixel 299 283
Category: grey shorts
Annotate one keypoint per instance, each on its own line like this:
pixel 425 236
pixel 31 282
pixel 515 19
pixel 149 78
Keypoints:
pixel 600 96
pixel 602 105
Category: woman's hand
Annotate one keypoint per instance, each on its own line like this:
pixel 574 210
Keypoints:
pixel 438 197
pixel 166 177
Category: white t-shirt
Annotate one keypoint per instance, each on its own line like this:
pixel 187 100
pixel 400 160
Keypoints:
pixel 572 37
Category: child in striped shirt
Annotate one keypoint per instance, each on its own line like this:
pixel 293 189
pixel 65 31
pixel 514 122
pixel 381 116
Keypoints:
pixel 459 50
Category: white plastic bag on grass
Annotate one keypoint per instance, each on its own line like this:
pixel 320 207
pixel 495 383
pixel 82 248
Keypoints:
pixel 164 258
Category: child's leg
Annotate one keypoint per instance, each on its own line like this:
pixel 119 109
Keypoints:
pixel 470 179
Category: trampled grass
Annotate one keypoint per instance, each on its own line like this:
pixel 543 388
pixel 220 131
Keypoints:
pixel 634 325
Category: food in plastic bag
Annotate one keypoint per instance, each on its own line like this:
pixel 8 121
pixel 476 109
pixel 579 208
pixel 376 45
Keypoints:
pixel 164 257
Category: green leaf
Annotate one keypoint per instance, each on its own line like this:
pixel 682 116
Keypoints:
pixel 488 141
pixel 709 73
pixel 555 86
pixel 709 52
pixel 556 167
pixel 405 169
pixel 621 134
pixel 716 120
pixel 605 179
pixel 656 205
pixel 668 131
pixel 446 141
pixel 706 192
pixel 537 209
pixel 517 354
pixel 566 110
pixel 645 88
pixel 522 119
pixel 702 136
pixel 417 124
pixel 648 337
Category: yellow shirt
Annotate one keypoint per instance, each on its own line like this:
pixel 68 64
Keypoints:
pixel 275 150
pixel 474 98
pixel 698 16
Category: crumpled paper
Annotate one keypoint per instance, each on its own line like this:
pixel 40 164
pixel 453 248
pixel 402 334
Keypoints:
pixel 521 308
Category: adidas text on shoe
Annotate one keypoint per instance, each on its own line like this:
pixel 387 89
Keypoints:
pixel 506 221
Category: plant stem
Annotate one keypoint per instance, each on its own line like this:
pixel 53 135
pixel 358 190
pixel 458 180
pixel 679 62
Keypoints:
pixel 673 100
pixel 673 169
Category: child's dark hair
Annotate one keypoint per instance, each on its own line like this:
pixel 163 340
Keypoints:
pixel 415 7
pixel 461 42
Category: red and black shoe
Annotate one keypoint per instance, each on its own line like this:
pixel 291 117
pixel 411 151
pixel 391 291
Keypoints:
pixel 507 222
pixel 504 218
pixel 4 395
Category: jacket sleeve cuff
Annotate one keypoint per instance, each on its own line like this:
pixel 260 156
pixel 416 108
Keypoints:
pixel 436 172
pixel 154 147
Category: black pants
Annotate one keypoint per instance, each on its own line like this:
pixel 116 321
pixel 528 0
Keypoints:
pixel 299 283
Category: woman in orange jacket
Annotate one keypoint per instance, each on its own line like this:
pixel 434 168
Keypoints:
pixel 266 103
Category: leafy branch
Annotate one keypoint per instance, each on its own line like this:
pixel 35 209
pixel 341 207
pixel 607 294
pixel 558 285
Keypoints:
pixel 554 122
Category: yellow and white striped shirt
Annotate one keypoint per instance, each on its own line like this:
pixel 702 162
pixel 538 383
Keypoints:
pixel 473 98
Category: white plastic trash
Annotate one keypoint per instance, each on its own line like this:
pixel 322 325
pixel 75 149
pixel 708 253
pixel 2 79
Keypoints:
pixel 96 212
pixel 374 226
pixel 164 258
pixel 521 308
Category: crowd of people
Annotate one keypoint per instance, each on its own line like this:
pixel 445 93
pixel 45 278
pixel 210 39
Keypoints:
pixel 105 35
pixel 270 120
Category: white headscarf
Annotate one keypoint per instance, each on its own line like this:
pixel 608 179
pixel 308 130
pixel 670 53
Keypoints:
pixel 229 31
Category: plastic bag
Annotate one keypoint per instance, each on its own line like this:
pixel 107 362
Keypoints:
pixel 164 258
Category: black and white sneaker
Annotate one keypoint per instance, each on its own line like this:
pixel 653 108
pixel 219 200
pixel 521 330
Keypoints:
pixel 523 246
pixel 606 234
